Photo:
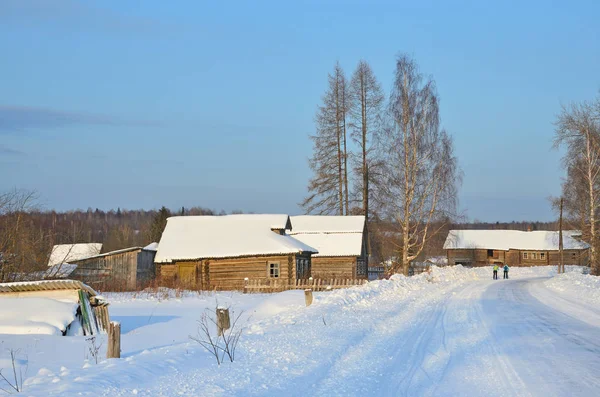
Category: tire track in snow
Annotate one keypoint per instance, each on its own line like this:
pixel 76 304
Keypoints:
pixel 554 353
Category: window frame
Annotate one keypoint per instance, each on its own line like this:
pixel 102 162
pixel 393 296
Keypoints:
pixel 276 266
pixel 525 256
pixel 542 256
pixel 534 256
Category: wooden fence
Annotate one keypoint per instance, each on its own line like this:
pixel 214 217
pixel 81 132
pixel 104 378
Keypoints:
pixel 317 284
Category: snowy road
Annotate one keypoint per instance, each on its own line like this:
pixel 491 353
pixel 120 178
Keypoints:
pixel 484 338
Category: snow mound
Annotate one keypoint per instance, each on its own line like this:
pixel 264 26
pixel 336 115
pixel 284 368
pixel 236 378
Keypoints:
pixel 35 315
pixel 582 286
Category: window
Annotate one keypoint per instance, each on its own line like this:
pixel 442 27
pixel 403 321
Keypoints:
pixel 543 256
pixel 361 267
pixel 273 269
pixel 302 268
pixel 524 255
pixel 490 253
pixel 534 255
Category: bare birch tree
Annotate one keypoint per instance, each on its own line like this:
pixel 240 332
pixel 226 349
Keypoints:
pixel 578 130
pixel 417 189
pixel 365 114
pixel 328 188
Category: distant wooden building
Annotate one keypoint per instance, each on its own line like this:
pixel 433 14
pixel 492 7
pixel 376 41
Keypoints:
pixel 126 269
pixel 513 247
pixel 220 252
pixel 342 243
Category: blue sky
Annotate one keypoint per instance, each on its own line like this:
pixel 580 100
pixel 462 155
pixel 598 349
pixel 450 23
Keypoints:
pixel 138 104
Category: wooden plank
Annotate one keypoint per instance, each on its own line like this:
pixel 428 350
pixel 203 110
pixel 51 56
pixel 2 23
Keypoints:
pixel 114 340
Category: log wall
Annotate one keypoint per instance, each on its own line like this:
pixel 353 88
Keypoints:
pixel 334 267
pixel 227 274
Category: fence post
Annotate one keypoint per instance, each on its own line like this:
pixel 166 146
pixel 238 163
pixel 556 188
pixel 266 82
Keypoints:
pixel 308 298
pixel 223 322
pixel 114 340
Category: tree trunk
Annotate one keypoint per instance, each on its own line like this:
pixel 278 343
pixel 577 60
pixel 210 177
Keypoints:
pixel 590 180
pixel 364 151
pixel 561 264
pixel 345 165
pixel 339 147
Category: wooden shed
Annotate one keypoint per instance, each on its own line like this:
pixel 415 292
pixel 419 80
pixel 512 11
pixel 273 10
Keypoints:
pixel 67 307
pixel 514 247
pixel 342 242
pixel 126 269
pixel 220 252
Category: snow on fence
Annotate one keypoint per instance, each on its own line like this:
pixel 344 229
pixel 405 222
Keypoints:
pixel 316 284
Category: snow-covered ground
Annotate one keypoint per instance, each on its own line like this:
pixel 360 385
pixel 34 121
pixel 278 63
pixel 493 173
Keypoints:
pixel 453 332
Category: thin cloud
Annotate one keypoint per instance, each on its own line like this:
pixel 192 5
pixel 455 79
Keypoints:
pixel 77 14
pixel 6 151
pixel 23 118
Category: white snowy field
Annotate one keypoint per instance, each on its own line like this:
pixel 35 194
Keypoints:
pixel 456 332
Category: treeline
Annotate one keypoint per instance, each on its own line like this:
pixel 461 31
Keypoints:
pixel 27 233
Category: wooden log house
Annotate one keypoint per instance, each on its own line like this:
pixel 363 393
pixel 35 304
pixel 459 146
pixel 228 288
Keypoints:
pixel 220 252
pixel 513 247
pixel 342 242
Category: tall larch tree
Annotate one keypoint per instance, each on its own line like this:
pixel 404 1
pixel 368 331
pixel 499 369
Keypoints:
pixel 365 115
pixel 328 188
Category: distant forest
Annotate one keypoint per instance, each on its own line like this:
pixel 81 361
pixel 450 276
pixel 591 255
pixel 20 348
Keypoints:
pixel 27 233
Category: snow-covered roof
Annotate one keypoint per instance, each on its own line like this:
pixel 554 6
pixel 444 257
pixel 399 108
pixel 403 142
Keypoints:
pixel 63 253
pixel 151 247
pixel 330 235
pixel 115 252
pixel 46 285
pixel 200 237
pixel 63 270
pixel 327 224
pixel 541 240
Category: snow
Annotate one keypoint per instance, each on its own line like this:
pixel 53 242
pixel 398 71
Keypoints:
pixel 36 315
pixel 329 244
pixel 151 247
pixel 512 239
pixel 62 270
pixel 453 331
pixel 327 224
pixel 198 237
pixel 330 235
pixel 63 253
pixel 438 260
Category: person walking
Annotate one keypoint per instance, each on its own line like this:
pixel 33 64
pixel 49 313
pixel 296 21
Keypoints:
pixel 495 271
pixel 505 271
